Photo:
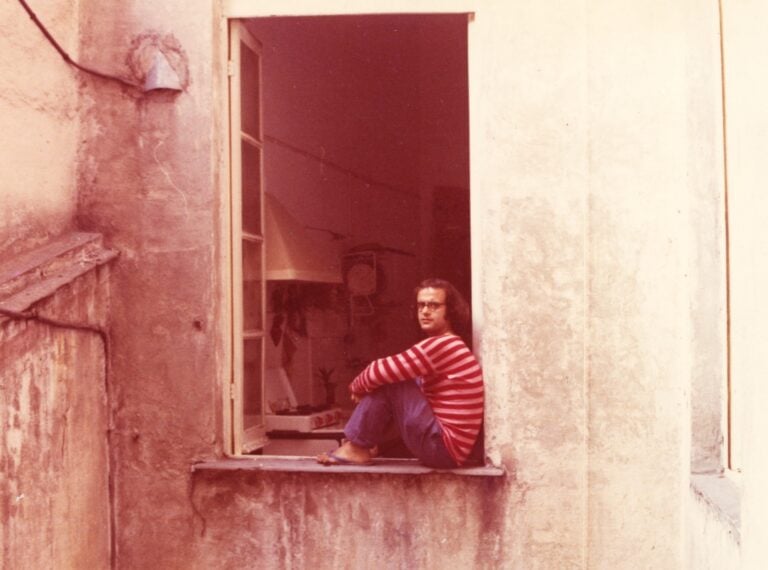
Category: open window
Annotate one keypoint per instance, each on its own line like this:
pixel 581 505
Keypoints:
pixel 349 187
pixel 247 239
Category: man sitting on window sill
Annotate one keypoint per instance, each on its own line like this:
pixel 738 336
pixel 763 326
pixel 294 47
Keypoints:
pixel 432 393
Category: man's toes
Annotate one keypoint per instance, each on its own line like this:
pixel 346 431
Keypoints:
pixel 322 458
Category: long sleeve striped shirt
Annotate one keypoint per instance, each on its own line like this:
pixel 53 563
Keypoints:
pixel 451 381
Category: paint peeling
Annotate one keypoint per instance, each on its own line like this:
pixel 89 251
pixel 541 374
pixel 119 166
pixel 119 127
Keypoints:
pixel 46 458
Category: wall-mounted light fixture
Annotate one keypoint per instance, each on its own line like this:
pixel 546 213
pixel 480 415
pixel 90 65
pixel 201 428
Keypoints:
pixel 161 76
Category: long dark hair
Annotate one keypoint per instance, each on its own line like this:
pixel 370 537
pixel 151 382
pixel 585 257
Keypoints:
pixel 457 310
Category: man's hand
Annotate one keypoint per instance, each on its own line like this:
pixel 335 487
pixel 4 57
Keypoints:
pixel 357 397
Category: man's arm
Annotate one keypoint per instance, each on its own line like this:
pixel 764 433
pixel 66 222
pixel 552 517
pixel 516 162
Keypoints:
pixel 406 365
pixel 433 355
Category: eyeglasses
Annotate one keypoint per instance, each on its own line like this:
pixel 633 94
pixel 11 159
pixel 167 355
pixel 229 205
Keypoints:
pixel 431 305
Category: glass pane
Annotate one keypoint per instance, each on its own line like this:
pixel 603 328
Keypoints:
pixel 251 157
pixel 252 382
pixel 252 283
pixel 249 91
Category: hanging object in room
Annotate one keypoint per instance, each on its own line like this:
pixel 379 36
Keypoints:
pixel 361 277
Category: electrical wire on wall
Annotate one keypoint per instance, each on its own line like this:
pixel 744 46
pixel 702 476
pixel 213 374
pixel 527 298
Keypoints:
pixel 33 316
pixel 66 56
pixel 367 180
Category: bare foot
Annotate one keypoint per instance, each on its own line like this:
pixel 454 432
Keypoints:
pixel 347 454
pixel 374 451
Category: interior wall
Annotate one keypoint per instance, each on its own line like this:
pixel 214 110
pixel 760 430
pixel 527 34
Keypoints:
pixel 385 98
pixel 443 148
pixel 39 119
pixel 361 71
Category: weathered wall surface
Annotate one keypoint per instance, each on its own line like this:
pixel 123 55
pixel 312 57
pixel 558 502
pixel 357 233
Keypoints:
pixel 595 177
pixel 706 264
pixel 580 153
pixel 147 182
pixel 350 522
pixel 744 49
pixel 713 534
pixel 746 54
pixel 528 145
pixel 638 328
pixel 54 497
pixel 39 122
pixel 54 501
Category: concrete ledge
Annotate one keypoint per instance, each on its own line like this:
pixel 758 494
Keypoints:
pixel 309 465
pixel 37 274
pixel 723 498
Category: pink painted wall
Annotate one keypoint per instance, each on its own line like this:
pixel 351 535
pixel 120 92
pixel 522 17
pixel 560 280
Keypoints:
pixel 148 180
pixel 54 505
pixel 54 494
pixel 39 121
pixel 583 152
pixel 327 521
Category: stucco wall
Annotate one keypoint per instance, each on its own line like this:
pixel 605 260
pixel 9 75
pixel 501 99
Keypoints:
pixel 580 146
pixel 54 496
pixel 147 182
pixel 354 521
pixel 747 129
pixel 744 52
pixel 706 260
pixel 638 329
pixel 596 205
pixel 714 524
pixel 39 122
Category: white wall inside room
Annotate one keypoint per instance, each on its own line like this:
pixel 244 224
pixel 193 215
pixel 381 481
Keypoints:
pixel 363 117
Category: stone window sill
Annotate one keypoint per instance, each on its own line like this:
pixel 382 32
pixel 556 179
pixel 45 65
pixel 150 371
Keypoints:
pixel 721 494
pixel 309 465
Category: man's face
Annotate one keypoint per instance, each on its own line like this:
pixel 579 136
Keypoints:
pixel 431 311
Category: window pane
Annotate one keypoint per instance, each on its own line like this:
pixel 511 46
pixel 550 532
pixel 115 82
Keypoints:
pixel 252 277
pixel 251 159
pixel 252 382
pixel 249 91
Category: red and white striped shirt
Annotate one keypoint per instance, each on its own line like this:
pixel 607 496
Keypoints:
pixel 452 384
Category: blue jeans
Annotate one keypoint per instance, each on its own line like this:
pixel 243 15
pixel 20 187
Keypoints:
pixel 404 406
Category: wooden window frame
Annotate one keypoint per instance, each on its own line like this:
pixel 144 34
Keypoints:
pixel 244 438
pixel 233 12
